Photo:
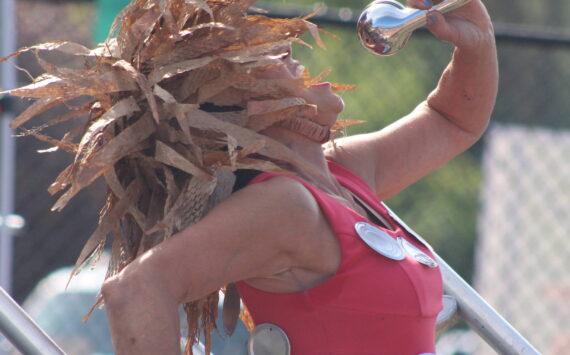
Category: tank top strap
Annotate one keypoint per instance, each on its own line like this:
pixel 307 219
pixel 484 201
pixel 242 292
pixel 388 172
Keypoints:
pixel 357 186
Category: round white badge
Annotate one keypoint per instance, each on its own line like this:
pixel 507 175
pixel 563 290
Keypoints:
pixel 417 254
pixel 379 240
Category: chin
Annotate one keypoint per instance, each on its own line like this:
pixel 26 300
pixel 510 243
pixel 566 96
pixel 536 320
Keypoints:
pixel 329 116
pixel 334 106
pixel 339 104
pixel 329 105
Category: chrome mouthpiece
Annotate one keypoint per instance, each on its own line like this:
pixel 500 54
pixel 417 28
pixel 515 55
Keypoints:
pixel 385 26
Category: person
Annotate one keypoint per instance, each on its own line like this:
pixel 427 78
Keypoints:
pixel 290 242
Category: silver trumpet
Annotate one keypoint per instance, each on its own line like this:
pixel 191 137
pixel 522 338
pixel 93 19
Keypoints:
pixel 385 26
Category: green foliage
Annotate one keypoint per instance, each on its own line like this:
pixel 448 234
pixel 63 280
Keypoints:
pixel 443 207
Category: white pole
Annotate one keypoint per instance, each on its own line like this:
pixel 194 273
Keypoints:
pixel 7 151
pixel 22 331
pixel 482 318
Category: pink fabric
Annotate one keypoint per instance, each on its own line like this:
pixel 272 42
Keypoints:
pixel 372 305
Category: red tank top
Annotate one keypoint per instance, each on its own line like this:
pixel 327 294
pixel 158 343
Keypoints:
pixel 371 305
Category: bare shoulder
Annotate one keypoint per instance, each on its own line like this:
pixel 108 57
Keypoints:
pixel 274 216
pixel 297 226
pixel 279 203
pixel 282 193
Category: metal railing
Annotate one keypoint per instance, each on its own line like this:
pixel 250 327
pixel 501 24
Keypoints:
pixel 7 146
pixel 22 331
pixel 30 339
pixel 482 318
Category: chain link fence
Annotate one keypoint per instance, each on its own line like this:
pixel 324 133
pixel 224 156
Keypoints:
pixel 498 213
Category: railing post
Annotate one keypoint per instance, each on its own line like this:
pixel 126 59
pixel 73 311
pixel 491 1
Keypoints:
pixel 482 318
pixel 22 331
pixel 7 151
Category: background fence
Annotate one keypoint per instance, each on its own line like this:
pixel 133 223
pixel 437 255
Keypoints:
pixel 498 213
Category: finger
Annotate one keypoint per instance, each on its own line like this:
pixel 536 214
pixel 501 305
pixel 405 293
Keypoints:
pixel 420 4
pixel 440 27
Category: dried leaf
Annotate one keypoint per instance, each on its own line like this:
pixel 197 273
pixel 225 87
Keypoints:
pixel 217 86
pixel 189 206
pixel 256 107
pixel 224 188
pixel 315 33
pixel 341 87
pixel 95 165
pixel 113 183
pixel 263 121
pixel 60 46
pixel 50 86
pixel 35 109
pixel 169 156
pixel 272 149
pixel 169 71
pixel 144 85
pixel 137 33
pixel 96 241
pixel 200 4
pixel 210 25
pixel 346 123
pixel 317 79
pixel 231 309
pixel 125 107
pixel 258 164
pixel 62 180
pixel 195 79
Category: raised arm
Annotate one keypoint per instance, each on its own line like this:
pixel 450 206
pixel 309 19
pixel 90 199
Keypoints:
pixel 452 118
pixel 263 230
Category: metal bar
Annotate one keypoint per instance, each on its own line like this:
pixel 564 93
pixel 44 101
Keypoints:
pixel 7 151
pixel 482 318
pixel 22 331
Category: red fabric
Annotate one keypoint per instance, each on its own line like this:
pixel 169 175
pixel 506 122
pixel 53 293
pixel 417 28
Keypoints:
pixel 372 305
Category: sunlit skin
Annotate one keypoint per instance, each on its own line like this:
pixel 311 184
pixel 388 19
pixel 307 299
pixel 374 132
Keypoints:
pixel 273 235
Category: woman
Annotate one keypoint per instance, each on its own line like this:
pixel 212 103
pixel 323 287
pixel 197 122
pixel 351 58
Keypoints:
pixel 290 242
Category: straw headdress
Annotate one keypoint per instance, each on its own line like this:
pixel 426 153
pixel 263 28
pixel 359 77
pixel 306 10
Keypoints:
pixel 166 158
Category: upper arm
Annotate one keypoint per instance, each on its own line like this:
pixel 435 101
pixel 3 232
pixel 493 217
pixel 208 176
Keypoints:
pixel 400 154
pixel 253 233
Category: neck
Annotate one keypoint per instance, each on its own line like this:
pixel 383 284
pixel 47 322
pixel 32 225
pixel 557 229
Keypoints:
pixel 305 127
pixel 307 148
pixel 313 153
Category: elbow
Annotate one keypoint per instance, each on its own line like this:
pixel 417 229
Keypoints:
pixel 115 292
pixel 136 286
pixel 465 127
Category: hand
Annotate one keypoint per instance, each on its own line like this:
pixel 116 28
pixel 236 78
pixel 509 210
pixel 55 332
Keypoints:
pixel 466 27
